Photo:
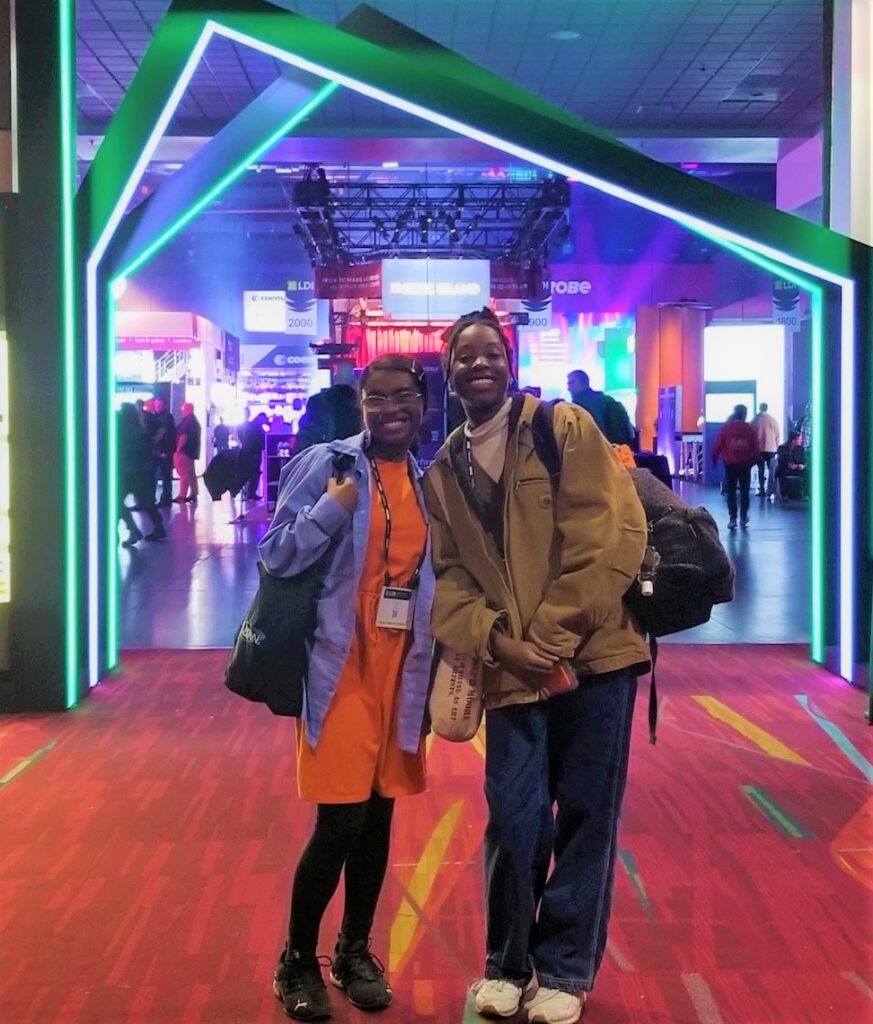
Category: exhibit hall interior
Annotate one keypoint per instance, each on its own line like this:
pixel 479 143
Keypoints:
pixel 600 276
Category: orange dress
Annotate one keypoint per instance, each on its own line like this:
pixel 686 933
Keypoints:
pixel 357 750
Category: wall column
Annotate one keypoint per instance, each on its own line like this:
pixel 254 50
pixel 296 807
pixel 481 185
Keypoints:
pixel 43 625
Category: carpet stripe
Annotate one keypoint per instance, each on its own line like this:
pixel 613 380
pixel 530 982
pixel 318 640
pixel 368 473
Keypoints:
pixel 838 736
pixel 420 885
pixel 26 763
pixel 858 982
pixel 702 999
pixel 629 864
pixel 781 819
pixel 620 959
pixel 760 737
pixel 470 1015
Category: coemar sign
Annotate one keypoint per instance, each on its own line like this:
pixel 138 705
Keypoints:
pixel 434 289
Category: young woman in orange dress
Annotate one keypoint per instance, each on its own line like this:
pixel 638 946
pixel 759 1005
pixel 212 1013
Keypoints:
pixel 359 741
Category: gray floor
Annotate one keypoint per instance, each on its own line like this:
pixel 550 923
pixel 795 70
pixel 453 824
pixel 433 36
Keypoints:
pixel 193 590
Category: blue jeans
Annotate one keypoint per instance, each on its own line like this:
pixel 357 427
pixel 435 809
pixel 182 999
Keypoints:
pixel 572 752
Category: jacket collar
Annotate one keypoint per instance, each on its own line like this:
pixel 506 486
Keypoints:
pixel 356 446
pixel 523 408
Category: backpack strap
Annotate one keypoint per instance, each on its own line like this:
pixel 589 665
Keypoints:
pixel 653 693
pixel 545 443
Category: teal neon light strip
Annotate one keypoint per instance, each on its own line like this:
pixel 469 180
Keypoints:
pixel 71 402
pixel 233 175
pixel 848 491
pixel 693 222
pixel 112 581
pixel 113 498
pixel 93 403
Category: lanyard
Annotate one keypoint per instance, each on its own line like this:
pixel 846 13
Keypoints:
pixel 386 508
pixel 468 451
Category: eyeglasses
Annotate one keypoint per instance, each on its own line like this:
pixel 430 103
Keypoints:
pixel 401 399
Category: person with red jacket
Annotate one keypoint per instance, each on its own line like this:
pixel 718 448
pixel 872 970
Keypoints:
pixel 737 445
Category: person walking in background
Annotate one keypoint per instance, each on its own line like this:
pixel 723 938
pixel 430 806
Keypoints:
pixel 136 469
pixel 164 446
pixel 769 438
pixel 359 742
pixel 736 444
pixel 530 580
pixel 221 436
pixel 608 413
pixel 187 452
pixel 252 442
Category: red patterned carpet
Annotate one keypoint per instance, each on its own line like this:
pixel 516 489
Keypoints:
pixel 148 840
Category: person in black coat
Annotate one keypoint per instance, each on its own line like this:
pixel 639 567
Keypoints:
pixel 164 442
pixel 136 467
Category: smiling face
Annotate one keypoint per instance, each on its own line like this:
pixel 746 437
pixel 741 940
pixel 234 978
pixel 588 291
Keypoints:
pixel 393 408
pixel 479 370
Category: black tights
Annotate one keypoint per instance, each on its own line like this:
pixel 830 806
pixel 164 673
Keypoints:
pixel 350 836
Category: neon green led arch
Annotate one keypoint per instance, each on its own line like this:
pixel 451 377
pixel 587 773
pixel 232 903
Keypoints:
pixel 408 73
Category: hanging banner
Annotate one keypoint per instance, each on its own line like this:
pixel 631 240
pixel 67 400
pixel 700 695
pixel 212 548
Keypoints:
pixel 231 353
pixel 537 311
pixel 301 314
pixel 264 312
pixel 786 304
pixel 363 281
pixel 509 281
pixel 143 343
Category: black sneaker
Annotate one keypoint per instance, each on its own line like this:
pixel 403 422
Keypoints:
pixel 360 974
pixel 732 524
pixel 300 986
pixel 134 538
pixel 158 533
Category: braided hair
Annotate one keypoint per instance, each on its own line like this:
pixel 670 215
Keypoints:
pixel 483 316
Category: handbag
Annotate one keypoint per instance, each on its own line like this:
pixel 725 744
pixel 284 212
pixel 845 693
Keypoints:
pixel 270 656
pixel 455 703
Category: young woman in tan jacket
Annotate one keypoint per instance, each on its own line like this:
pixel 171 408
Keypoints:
pixel 530 579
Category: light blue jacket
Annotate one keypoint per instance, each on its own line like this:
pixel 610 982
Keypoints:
pixel 304 525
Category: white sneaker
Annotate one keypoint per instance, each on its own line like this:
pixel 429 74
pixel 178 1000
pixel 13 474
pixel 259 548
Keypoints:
pixel 497 997
pixel 552 1006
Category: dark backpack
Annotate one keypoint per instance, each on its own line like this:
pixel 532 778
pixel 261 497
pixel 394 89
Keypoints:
pixel 685 572
pixel 690 571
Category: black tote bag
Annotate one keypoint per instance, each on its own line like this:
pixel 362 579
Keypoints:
pixel 269 660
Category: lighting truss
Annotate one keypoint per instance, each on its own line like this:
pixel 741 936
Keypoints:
pixel 341 222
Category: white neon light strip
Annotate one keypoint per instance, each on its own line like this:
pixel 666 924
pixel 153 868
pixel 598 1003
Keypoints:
pixel 694 223
pixel 94 406
pixel 520 151
pixel 847 340
pixel 847 484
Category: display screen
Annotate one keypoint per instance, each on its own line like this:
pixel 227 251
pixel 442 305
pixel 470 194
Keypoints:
pixel 434 289
pixel 602 344
pixel 719 407
pixel 747 352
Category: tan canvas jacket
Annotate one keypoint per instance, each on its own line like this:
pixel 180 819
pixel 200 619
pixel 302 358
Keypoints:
pixel 570 555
